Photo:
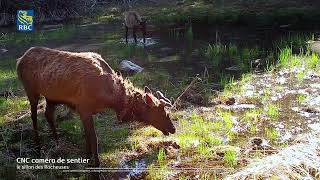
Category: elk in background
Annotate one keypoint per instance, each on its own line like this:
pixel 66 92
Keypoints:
pixel 132 20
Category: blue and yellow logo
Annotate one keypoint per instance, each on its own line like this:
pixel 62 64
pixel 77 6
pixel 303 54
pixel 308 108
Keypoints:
pixel 25 20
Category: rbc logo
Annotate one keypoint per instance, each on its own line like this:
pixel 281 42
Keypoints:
pixel 25 20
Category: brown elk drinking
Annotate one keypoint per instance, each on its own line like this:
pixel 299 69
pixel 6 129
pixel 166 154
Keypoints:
pixel 132 20
pixel 87 84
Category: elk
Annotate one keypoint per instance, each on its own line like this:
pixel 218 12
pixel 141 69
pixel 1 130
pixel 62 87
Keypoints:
pixel 86 83
pixel 132 20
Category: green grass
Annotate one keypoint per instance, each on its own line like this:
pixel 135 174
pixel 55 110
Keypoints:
pixel 285 56
pixel 8 77
pixel 10 83
pixel 111 18
pixel 198 131
pixel 295 62
pixel 161 157
pixel 215 53
pixel 271 134
pixel 226 119
pixel 301 98
pixel 312 61
pixel 203 150
pixel 296 41
pixel 251 119
pixel 16 38
pixel 300 76
pixel 229 158
pixel 272 111
pixel 132 50
pixel 251 115
pixel 248 55
pixel 189 35
pixel 12 106
pixel 227 83
pixel 253 129
pixel 242 57
pixel 233 52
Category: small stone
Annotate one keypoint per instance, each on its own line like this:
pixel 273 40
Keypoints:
pixel 230 101
pixel 129 66
pixel 233 68
pixel 311 109
pixel 316 86
pixel 256 141
pixel 295 109
pixel 281 80
pixel 249 93
pixel 315 101
pixel 2 51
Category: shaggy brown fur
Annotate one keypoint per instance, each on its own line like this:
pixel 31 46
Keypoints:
pixel 132 20
pixel 86 83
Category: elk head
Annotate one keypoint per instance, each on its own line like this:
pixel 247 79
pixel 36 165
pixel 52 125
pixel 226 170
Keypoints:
pixel 154 112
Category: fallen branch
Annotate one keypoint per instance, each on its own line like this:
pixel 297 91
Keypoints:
pixel 186 90
pixel 27 113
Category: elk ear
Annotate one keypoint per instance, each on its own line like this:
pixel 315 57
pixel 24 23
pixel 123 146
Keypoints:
pixel 147 90
pixel 165 103
pixel 148 100
pixel 161 96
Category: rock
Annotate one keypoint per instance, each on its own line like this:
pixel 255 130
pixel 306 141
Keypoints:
pixel 256 141
pixel 311 109
pixel 2 51
pixel 315 127
pixel 238 107
pixel 171 152
pixel 233 68
pixel 316 86
pixel 128 66
pixel 257 63
pixel 249 93
pixel 281 80
pixel 315 46
pixel 230 101
pixel 314 101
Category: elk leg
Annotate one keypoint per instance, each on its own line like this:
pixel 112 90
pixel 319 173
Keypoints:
pixel 127 34
pixel 50 108
pixel 91 139
pixel 34 103
pixel 144 36
pixel 135 34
